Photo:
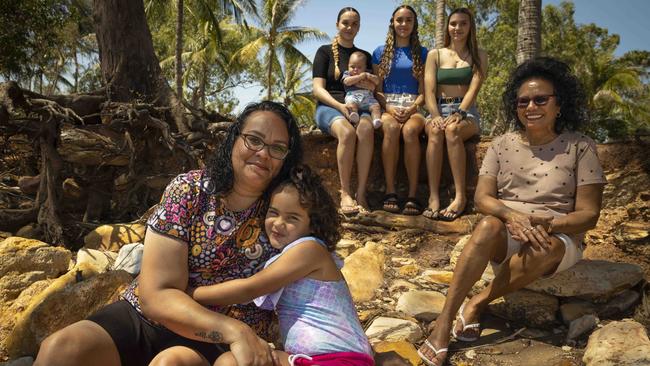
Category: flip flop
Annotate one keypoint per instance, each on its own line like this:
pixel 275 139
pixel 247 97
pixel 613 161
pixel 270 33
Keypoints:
pixel 431 214
pixel 412 207
pixel 466 326
pixel 426 359
pixel 390 203
pixel 454 214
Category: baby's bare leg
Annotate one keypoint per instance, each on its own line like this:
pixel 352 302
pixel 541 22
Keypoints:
pixel 375 111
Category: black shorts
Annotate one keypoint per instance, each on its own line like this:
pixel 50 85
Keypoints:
pixel 139 341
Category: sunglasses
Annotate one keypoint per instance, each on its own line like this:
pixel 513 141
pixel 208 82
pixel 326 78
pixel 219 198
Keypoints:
pixel 255 143
pixel 539 100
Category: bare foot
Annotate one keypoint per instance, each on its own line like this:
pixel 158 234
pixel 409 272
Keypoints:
pixel 468 327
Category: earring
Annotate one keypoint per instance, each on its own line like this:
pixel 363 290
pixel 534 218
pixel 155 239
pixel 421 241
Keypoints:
pixel 559 114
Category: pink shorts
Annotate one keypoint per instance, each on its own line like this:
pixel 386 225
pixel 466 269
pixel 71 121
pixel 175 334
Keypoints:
pixel 333 359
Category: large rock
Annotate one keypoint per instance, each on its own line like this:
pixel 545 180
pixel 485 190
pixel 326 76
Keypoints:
pixel 396 354
pixel 100 259
pixel 591 279
pixel 392 329
pixel 621 343
pixel 532 308
pixel 13 283
pixel 113 237
pixel 364 271
pixel 72 297
pixel 422 305
pixel 21 255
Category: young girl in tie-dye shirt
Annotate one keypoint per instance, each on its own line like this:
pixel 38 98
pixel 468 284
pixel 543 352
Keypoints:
pixel 318 321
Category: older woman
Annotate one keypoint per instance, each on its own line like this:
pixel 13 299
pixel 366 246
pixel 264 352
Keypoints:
pixel 206 230
pixel 540 188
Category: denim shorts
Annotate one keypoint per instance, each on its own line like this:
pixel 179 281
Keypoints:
pixel 326 115
pixel 446 109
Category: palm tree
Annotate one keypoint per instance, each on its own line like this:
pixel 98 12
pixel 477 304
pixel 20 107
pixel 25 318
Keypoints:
pixel 529 35
pixel 296 89
pixel 440 23
pixel 276 37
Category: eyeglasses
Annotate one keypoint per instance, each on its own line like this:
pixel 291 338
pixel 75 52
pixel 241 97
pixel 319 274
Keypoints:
pixel 539 100
pixel 255 143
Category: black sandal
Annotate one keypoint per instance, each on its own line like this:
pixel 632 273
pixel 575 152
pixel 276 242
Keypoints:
pixel 391 204
pixel 412 207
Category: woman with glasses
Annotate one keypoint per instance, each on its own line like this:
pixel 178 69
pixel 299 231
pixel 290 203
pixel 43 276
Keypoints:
pixel 207 229
pixel 355 140
pixel 540 189
pixel 452 79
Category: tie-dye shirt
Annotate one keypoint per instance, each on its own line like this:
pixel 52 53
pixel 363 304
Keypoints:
pixel 223 245
pixel 316 317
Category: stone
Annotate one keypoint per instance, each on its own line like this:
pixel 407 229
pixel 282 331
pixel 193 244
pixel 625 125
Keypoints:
pixel 5 234
pixel 348 244
pixel 102 260
pixel 581 326
pixel 619 304
pixel 364 271
pixel 574 310
pixel 619 343
pixel 436 276
pixel 130 258
pixel 533 309
pixel 30 231
pixel 70 298
pixel 27 255
pixel 402 261
pixel 392 329
pixel 422 305
pixel 29 184
pixel 593 279
pixel 401 284
pixel 409 270
pixel 400 353
pixel 113 237
pixel 13 283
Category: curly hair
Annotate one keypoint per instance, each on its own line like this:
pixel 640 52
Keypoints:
pixel 324 221
pixel 568 91
pixel 472 43
pixel 389 50
pixel 335 41
pixel 219 167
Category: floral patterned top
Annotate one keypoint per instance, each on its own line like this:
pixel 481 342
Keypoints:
pixel 223 245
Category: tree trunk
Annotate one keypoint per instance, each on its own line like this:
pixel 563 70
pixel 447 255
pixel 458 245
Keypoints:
pixel 440 23
pixel 179 49
pixel 529 34
pixel 129 65
pixel 269 76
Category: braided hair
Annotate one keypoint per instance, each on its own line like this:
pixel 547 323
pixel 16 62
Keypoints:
pixel 335 41
pixel 389 49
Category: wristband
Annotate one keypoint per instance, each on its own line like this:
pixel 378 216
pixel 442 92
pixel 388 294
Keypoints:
pixel 463 113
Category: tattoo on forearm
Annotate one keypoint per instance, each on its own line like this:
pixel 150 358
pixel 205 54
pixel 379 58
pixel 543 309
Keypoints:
pixel 211 336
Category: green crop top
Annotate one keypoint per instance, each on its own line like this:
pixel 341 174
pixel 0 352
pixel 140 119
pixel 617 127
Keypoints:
pixel 456 76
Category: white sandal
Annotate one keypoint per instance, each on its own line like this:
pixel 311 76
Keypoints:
pixel 435 351
pixel 465 327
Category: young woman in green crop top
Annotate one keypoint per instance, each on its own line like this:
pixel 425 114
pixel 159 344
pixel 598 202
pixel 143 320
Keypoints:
pixel 452 79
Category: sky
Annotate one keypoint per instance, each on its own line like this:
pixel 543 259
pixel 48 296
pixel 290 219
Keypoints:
pixel 627 18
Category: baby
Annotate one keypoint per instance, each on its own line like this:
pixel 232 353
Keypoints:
pixel 357 98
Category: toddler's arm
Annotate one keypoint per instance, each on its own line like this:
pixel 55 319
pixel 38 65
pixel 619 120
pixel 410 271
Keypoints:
pixel 296 263
pixel 353 80
pixel 373 78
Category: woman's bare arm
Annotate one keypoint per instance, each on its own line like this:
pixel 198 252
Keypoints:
pixel 162 283
pixel 295 264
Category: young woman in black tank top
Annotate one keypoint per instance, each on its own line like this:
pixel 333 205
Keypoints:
pixel 452 78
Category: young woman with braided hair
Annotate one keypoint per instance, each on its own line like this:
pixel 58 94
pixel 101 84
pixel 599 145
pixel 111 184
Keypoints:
pixel 333 116
pixel 399 63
